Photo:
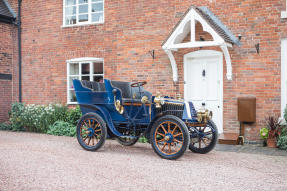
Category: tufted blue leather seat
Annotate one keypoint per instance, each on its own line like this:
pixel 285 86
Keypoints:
pixel 128 92
pixel 95 86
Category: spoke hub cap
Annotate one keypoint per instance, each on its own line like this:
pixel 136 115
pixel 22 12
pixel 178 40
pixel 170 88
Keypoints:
pixel 168 138
pixel 91 132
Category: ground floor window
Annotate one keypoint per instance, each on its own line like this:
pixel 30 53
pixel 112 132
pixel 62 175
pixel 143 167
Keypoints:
pixel 91 69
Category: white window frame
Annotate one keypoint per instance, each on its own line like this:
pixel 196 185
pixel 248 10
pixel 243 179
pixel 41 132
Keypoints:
pixel 283 75
pixel 89 22
pixel 284 13
pixel 81 61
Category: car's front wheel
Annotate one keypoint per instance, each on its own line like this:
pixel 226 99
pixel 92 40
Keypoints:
pixel 169 137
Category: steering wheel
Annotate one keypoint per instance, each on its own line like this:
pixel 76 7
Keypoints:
pixel 138 84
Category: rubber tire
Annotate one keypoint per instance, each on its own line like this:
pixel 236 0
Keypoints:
pixel 103 127
pixel 184 130
pixel 211 145
pixel 124 143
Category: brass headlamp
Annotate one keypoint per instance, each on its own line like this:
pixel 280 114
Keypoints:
pixel 204 115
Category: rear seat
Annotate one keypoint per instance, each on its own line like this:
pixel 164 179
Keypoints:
pixel 95 86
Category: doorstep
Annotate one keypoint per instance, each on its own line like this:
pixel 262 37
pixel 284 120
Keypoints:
pixel 228 138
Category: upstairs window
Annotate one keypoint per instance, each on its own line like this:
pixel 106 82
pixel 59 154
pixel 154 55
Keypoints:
pixel 90 69
pixel 80 12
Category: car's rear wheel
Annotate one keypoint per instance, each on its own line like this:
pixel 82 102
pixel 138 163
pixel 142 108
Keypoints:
pixel 91 132
pixel 204 139
pixel 169 137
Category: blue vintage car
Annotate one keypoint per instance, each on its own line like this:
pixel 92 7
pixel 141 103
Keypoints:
pixel 126 111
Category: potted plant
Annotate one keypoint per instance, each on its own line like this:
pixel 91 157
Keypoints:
pixel 273 125
pixel 264 135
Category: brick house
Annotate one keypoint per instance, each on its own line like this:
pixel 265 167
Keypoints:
pixel 211 51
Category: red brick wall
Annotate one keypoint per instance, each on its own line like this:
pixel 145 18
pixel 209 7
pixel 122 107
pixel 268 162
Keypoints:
pixel 6 57
pixel 133 28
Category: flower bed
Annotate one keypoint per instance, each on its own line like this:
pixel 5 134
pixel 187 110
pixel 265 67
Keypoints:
pixel 50 119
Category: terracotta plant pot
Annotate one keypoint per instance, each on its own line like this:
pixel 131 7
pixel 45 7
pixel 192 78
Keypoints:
pixel 271 143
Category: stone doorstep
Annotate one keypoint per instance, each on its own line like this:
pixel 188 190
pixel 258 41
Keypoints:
pixel 228 138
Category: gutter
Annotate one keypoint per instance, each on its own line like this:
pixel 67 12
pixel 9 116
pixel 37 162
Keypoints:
pixel 19 49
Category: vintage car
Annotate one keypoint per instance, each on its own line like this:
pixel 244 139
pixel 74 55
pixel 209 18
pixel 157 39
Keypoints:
pixel 126 111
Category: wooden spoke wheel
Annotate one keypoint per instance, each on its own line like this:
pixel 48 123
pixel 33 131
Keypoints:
pixel 169 137
pixel 91 132
pixel 203 139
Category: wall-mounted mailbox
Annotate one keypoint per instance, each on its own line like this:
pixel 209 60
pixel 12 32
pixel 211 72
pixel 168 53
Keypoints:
pixel 247 109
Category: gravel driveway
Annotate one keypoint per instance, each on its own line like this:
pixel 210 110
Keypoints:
pixel 31 161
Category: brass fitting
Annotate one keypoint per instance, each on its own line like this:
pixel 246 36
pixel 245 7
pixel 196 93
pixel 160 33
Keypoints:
pixel 144 99
pixel 158 101
pixel 119 107
pixel 204 116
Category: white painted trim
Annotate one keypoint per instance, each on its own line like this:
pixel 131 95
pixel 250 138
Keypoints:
pixel 228 62
pixel 206 54
pixel 173 65
pixel 82 24
pixel 191 17
pixel 188 109
pixel 202 54
pixel 85 59
pixel 283 75
pixel 284 13
pixel 195 44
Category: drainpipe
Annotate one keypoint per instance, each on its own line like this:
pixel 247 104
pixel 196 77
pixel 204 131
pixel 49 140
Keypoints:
pixel 19 50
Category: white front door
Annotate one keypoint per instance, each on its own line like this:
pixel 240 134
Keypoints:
pixel 203 74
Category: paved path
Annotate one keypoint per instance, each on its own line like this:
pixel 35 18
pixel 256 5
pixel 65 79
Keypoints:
pixel 42 162
pixel 251 149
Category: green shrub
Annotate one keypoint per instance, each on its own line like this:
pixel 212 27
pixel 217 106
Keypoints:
pixel 15 116
pixel 5 126
pixel 282 139
pixel 38 118
pixel 74 115
pixel 143 139
pixel 62 128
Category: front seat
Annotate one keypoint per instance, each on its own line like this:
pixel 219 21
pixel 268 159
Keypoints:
pixel 127 91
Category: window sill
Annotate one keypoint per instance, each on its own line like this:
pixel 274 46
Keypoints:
pixel 78 25
pixel 72 103
pixel 283 14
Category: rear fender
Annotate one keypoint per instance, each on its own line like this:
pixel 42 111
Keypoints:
pixel 104 113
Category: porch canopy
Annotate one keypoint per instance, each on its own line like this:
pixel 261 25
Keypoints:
pixel 222 37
